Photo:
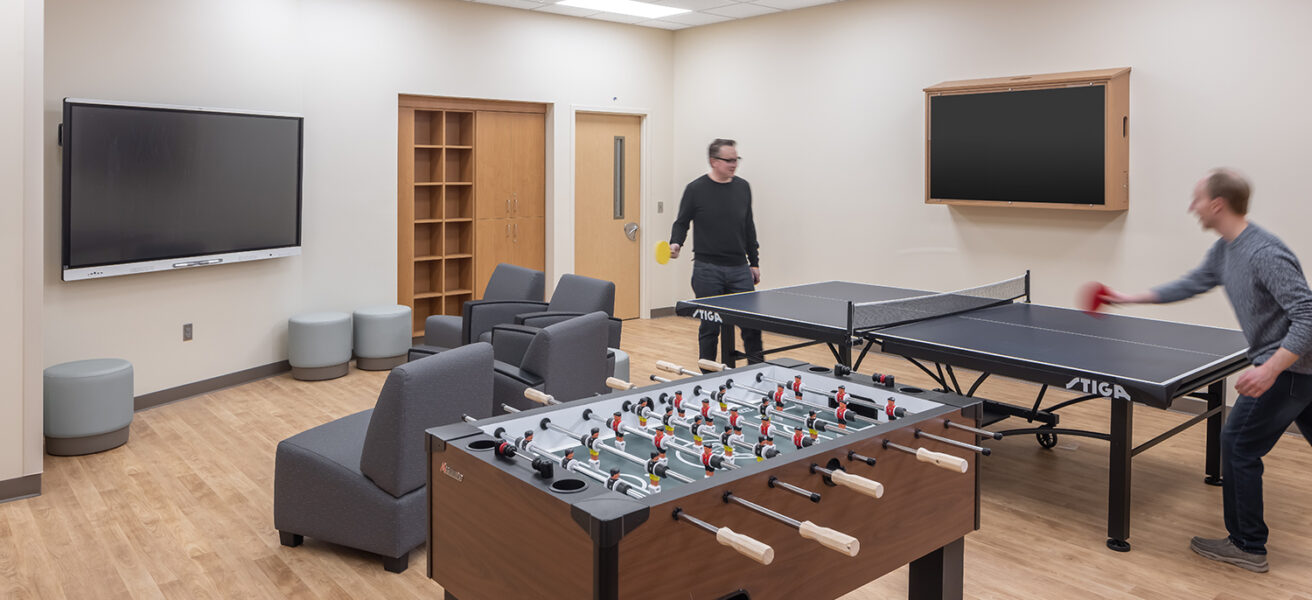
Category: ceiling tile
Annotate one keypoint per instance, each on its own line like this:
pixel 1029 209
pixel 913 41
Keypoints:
pixel 528 4
pixel 663 24
pixel 617 18
pixel 572 11
pixel 695 4
pixel 790 4
pixel 742 11
pixel 695 18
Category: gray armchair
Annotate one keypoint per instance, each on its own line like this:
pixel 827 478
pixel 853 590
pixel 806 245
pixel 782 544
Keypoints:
pixel 575 295
pixel 508 282
pixel 568 360
pixel 359 481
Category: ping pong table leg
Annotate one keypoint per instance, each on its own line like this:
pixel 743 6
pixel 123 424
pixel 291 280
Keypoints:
pixel 728 348
pixel 1215 399
pixel 1118 476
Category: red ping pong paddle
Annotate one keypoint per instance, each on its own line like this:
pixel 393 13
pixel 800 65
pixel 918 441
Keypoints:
pixel 1093 296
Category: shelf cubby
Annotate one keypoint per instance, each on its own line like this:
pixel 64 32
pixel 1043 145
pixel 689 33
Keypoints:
pixel 459 128
pixel 429 165
pixel 428 240
pixel 458 165
pixel 428 202
pixel 459 202
pixel 459 238
pixel 428 127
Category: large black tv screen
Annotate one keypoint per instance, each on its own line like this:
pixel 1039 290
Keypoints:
pixel 153 187
pixel 1043 146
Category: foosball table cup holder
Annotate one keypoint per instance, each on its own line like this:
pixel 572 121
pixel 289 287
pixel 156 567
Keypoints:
pixel 910 390
pixel 480 445
pixel 568 485
pixel 818 369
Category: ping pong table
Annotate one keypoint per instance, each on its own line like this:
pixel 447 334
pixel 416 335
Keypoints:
pixel 995 330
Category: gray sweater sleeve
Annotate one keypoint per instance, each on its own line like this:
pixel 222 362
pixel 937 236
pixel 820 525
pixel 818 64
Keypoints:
pixel 1202 278
pixel 1278 271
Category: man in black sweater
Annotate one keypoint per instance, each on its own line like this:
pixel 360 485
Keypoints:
pixel 724 240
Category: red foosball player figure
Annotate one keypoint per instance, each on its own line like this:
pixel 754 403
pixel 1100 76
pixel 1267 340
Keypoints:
pixel 841 394
pixel 800 440
pixel 616 424
pixel 841 412
pixel 779 396
pixel 727 440
pixel 765 425
pixel 719 396
pixel 678 402
pixel 707 453
pixel 797 385
pixel 594 454
pixel 696 429
pixel 661 440
pixel 733 416
pixel 813 425
pixel 653 465
pixel 890 410
pixel 706 407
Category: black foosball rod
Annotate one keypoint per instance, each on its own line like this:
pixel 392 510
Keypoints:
pixel 829 538
pixel 751 548
pixel 938 459
pixel 856 483
pixel 975 430
pixel 920 433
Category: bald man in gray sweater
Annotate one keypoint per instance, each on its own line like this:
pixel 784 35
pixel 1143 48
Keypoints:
pixel 1270 296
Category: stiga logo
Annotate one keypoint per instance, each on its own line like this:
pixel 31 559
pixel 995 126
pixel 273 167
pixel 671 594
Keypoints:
pixel 1102 388
pixel 707 315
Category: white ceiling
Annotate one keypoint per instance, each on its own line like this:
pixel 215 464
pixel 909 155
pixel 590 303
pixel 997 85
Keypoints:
pixel 704 12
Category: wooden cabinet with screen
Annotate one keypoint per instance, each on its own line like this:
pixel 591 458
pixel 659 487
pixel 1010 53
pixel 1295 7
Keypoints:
pixel 448 188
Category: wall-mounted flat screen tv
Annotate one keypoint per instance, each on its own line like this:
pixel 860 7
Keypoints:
pixel 154 187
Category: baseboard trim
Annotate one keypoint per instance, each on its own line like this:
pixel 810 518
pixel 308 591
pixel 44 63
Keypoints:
pixel 19 488
pixel 667 311
pixel 152 399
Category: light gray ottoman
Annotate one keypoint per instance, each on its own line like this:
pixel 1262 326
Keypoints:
pixel 382 337
pixel 621 364
pixel 88 406
pixel 319 345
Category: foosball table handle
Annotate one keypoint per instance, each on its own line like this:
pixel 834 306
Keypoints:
pixel 829 538
pixel 539 396
pixel 669 367
pixel 939 459
pixel 616 383
pixel 751 548
pixel 711 365
pixel 869 487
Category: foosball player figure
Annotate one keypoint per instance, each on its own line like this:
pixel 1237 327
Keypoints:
pixel 668 420
pixel 813 425
pixel 524 442
pixel 594 454
pixel 797 385
pixel 890 410
pixel 727 440
pixel 719 396
pixel 661 440
pixel 733 416
pixel 678 401
pixel 842 412
pixel 800 440
pixel 764 409
pixel 642 409
pixel 778 396
pixel 616 424
pixel 696 429
pixel 759 448
pixel 615 483
pixel 707 453
pixel 765 425
pixel 568 463
pixel 841 394
pixel 706 406
pixel 652 464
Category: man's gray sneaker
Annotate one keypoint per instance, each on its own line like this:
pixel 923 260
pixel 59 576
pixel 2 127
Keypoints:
pixel 1225 551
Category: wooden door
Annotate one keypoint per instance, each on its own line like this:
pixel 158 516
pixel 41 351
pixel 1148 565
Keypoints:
pixel 530 240
pixel 494 163
pixel 492 245
pixel 607 157
pixel 528 198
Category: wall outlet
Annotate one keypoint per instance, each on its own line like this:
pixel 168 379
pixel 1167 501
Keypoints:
pixel 186 332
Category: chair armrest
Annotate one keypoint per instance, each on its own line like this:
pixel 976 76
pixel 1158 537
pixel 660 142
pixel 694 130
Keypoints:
pixel 516 374
pixel 510 342
pixel 544 317
pixel 443 331
pixel 482 315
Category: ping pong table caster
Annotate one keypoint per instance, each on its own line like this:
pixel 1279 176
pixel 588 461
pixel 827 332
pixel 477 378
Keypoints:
pixel 1049 441
pixel 1118 545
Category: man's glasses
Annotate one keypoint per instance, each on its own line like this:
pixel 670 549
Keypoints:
pixel 732 161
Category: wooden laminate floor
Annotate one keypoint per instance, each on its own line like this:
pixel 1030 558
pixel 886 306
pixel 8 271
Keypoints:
pixel 185 509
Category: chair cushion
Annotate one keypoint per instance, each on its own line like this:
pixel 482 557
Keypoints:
pixel 576 293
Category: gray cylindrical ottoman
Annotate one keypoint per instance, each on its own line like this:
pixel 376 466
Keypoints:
pixel 88 405
pixel 319 345
pixel 382 337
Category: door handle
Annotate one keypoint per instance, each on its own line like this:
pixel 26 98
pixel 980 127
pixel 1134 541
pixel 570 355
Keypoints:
pixel 516 239
pixel 631 231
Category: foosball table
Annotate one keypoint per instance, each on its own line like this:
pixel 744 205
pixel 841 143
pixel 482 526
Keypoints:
pixel 775 480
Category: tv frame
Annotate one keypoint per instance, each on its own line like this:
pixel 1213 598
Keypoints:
pixel 174 262
pixel 1116 107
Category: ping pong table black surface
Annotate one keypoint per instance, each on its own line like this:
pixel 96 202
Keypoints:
pixel 1119 358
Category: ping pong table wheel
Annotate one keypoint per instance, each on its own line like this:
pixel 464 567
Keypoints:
pixel 1047 441
pixel 1118 545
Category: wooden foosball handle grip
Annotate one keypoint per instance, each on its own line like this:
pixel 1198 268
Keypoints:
pixel 746 546
pixel 616 383
pixel 831 539
pixel 939 459
pixel 539 396
pixel 711 365
pixel 669 367
pixel 869 487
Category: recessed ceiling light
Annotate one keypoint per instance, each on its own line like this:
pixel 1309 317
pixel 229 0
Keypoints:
pixel 626 7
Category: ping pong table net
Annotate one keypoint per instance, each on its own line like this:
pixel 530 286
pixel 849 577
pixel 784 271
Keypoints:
pixel 864 316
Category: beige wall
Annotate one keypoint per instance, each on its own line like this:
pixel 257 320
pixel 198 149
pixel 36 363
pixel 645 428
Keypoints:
pixel 20 238
pixel 827 106
pixel 341 64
